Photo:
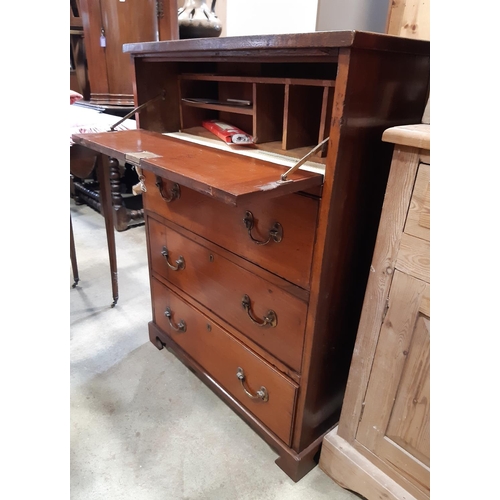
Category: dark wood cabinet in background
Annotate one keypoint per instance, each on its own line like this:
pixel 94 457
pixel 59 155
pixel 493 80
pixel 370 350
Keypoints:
pixel 115 23
pixel 104 76
pixel 78 75
pixel 257 281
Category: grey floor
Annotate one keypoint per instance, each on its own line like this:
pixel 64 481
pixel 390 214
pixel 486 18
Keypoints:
pixel 142 425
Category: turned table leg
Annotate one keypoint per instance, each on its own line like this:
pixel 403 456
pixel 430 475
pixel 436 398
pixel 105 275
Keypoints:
pixel 121 217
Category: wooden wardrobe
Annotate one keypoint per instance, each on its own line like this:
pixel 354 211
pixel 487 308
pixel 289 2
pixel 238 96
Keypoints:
pixel 107 26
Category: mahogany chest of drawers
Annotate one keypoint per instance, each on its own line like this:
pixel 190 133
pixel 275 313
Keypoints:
pixel 257 272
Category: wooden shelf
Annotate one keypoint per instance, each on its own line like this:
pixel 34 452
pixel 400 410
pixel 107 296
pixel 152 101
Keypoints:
pixel 274 147
pixel 294 111
pixel 246 79
pixel 241 110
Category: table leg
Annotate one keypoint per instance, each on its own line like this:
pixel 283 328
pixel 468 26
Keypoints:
pixel 103 177
pixel 72 250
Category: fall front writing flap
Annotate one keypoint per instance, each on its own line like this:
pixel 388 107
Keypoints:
pixel 225 176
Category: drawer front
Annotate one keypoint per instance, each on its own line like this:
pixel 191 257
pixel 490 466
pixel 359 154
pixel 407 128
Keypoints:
pixel 225 225
pixel 271 317
pixel 228 361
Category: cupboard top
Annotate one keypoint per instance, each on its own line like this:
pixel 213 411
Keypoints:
pixel 322 44
pixel 417 136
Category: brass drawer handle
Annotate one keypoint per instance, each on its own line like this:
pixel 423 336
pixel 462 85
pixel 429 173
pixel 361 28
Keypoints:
pixel 175 192
pixel 180 261
pixel 275 233
pixel 270 319
pixel 261 393
pixel 180 327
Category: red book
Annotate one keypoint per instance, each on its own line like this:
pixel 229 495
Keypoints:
pixel 228 133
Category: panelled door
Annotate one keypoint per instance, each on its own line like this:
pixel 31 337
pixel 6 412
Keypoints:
pixel 395 423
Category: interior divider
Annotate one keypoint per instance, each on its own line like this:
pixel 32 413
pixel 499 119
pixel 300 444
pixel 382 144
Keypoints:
pixel 326 118
pixel 269 103
pixel 282 114
pixel 301 122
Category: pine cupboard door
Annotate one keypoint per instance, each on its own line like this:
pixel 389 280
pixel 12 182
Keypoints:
pixel 395 421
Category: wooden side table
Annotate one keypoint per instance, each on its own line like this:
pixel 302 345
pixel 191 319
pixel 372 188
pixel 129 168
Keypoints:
pixel 81 156
pixel 107 200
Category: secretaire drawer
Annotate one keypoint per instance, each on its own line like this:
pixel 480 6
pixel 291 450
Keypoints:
pixel 283 228
pixel 264 391
pixel 262 311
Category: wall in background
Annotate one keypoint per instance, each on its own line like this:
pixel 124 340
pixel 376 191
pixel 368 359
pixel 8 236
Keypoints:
pixel 261 17
pixel 364 15
pixel 264 17
pixel 221 10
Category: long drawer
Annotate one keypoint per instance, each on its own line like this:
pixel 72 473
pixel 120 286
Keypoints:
pixel 262 311
pixel 294 216
pixel 264 391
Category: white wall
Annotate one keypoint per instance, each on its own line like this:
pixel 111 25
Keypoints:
pixel 364 15
pixel 264 17
pixel 221 12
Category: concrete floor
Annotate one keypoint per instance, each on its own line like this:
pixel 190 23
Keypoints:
pixel 142 425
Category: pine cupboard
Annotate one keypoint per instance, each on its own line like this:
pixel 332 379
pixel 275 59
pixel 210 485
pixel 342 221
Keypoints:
pixel 258 272
pixel 381 447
